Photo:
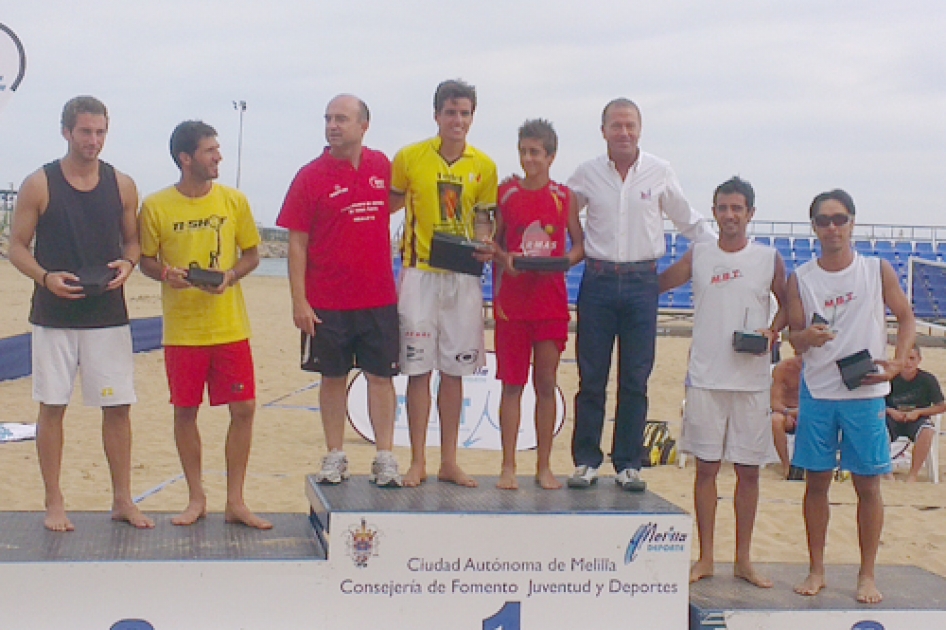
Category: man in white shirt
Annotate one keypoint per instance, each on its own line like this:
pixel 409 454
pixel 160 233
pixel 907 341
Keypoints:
pixel 727 410
pixel 836 310
pixel 626 193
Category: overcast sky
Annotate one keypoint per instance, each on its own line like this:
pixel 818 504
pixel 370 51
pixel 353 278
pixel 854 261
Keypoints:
pixel 796 96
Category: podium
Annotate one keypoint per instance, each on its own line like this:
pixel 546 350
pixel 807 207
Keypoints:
pixel 442 556
pixel 914 599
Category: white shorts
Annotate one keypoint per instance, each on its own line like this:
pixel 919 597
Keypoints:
pixel 728 426
pixel 441 320
pixel 102 355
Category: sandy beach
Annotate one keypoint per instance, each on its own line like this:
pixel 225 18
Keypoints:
pixel 288 443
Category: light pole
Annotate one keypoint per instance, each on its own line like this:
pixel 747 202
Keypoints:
pixel 240 106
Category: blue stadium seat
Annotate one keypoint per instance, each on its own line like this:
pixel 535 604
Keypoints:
pixel 664 300
pixel 802 247
pixel 763 240
pixel 864 248
pixel 924 250
pixel 665 261
pixel 816 249
pixel 883 246
pixel 668 242
pixel 941 249
pixel 680 245
pixel 904 248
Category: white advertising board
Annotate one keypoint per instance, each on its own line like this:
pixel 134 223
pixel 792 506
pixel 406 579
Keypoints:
pixel 479 416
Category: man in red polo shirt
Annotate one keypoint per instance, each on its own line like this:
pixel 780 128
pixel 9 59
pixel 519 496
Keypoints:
pixel 342 283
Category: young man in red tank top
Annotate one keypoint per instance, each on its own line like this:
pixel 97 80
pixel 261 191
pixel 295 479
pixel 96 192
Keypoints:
pixel 531 307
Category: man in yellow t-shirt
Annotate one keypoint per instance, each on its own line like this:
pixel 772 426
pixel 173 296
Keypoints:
pixel 439 181
pixel 199 224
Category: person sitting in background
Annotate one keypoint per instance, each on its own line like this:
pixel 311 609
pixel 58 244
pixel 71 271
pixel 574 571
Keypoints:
pixel 915 396
pixel 786 378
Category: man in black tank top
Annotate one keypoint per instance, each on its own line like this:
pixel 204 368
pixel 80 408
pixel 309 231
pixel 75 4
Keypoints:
pixel 82 213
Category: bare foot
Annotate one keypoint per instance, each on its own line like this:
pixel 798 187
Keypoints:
pixel 507 479
pixel 454 474
pixel 812 585
pixel 131 515
pixel 242 515
pixel 867 592
pixel 701 569
pixel 194 511
pixel 57 521
pixel 415 475
pixel 750 575
pixel 547 480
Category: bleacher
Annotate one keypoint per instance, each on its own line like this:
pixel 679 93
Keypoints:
pixel 894 244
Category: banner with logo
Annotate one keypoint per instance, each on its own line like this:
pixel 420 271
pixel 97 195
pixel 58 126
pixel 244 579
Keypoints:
pixel 12 63
pixel 510 571
pixel 479 416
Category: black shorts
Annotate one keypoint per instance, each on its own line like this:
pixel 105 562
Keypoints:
pixel 906 429
pixel 367 339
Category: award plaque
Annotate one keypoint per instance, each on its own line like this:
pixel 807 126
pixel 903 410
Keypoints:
pixel 204 277
pixel 541 263
pixel 854 367
pixel 94 279
pixel 455 253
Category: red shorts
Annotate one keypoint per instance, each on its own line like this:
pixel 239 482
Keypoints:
pixel 227 370
pixel 514 341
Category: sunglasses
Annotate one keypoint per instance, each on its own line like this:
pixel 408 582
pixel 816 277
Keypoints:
pixel 824 220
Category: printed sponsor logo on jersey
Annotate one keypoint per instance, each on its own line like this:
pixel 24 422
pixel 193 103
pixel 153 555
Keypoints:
pixel 413 353
pixel 467 357
pixel 645 195
pixel 214 222
pixel 721 276
pixel 377 182
pixel 339 190
pixel 840 300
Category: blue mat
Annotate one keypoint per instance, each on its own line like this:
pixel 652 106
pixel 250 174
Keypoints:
pixel 16 352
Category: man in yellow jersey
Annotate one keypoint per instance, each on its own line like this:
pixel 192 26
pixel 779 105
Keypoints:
pixel 439 181
pixel 197 223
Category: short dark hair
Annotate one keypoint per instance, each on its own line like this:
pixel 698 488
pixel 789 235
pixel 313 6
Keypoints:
pixel 187 136
pixel 541 130
pixel 736 184
pixel 838 195
pixel 619 102
pixel 82 105
pixel 453 89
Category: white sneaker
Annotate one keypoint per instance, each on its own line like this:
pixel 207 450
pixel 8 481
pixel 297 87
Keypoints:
pixel 630 480
pixel 334 468
pixel 384 472
pixel 583 477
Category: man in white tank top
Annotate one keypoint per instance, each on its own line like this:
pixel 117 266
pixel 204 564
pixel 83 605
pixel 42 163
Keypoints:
pixel 727 393
pixel 835 309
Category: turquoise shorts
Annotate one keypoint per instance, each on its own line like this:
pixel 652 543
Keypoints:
pixel 857 427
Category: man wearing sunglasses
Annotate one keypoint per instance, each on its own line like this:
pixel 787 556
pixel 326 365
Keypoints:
pixel 836 309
